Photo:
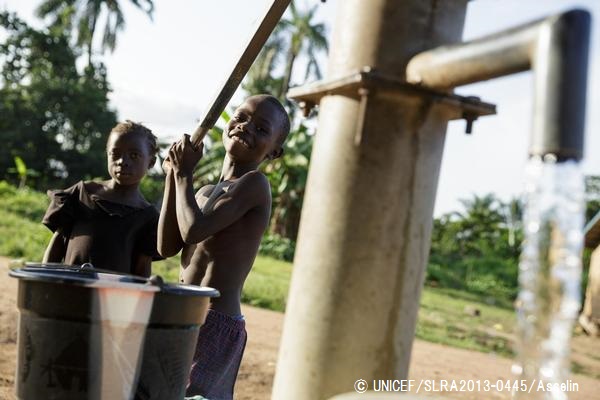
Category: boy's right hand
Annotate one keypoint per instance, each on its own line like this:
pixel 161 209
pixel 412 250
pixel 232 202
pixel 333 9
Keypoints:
pixel 166 164
pixel 184 156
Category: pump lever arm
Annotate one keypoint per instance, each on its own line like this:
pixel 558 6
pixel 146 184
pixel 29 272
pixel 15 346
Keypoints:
pixel 253 46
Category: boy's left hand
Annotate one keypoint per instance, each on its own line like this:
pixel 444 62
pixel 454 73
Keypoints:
pixel 184 156
pixel 166 164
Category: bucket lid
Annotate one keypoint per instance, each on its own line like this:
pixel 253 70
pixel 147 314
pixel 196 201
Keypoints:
pixel 88 276
pixel 89 294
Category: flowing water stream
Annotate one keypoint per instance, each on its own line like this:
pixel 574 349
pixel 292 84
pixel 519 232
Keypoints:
pixel 549 276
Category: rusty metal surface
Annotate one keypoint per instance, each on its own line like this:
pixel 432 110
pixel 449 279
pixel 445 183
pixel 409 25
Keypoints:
pixel 248 55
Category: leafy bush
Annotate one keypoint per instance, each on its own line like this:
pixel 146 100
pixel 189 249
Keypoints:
pixel 152 188
pixel 278 247
pixel 440 275
pixel 488 277
pixel 22 235
pixel 25 202
pixel 477 250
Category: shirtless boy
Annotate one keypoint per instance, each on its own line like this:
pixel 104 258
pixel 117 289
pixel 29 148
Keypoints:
pixel 219 230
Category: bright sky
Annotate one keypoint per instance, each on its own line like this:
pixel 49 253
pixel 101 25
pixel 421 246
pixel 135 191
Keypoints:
pixel 165 71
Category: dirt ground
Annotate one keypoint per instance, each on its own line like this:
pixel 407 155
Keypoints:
pixel 429 361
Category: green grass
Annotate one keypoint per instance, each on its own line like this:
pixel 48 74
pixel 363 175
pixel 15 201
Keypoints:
pixel 268 283
pixel 21 233
pixel 22 238
pixel 168 269
pixel 443 319
pixel 25 202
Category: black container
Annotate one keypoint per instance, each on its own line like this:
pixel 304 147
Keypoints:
pixel 91 334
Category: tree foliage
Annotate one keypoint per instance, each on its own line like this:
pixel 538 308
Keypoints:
pixel 288 175
pixel 83 17
pixel 54 117
pixel 478 248
pixel 294 36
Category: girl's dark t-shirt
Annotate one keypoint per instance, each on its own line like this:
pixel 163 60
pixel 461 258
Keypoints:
pixel 106 234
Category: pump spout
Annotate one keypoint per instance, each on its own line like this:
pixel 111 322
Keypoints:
pixel 555 48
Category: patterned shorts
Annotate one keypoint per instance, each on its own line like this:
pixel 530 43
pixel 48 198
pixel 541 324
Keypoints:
pixel 217 358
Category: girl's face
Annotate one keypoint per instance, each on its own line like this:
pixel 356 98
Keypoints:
pixel 129 157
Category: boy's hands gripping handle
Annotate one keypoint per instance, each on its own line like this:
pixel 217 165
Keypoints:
pixel 253 46
pixel 183 156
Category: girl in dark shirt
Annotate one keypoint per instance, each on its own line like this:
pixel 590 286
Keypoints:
pixel 108 224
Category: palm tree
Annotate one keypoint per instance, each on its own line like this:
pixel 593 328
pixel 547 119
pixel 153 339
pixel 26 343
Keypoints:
pixel 293 36
pixel 260 78
pixel 305 35
pixel 84 15
pixel 480 223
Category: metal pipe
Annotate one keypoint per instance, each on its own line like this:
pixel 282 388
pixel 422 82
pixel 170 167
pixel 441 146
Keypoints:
pixel 556 48
pixel 357 278
pixel 367 216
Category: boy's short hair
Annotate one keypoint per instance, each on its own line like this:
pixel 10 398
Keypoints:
pixel 129 126
pixel 285 128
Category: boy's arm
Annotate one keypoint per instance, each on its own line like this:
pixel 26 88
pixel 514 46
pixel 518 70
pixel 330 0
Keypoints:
pixel 251 191
pixel 169 239
pixel 55 252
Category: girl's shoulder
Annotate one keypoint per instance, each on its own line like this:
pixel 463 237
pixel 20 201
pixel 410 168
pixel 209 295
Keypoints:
pixel 81 189
pixel 63 195
pixel 92 187
pixel 64 207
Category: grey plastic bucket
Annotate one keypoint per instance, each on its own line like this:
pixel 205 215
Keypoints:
pixel 92 334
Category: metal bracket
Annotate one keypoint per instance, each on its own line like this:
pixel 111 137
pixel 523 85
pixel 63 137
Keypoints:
pixel 368 78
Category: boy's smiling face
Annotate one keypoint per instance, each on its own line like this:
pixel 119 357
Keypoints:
pixel 254 132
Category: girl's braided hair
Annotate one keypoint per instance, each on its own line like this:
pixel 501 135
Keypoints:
pixel 129 126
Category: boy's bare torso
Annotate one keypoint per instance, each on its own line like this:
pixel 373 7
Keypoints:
pixel 223 260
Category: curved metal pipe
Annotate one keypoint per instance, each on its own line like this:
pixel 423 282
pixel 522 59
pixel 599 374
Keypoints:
pixel 555 48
